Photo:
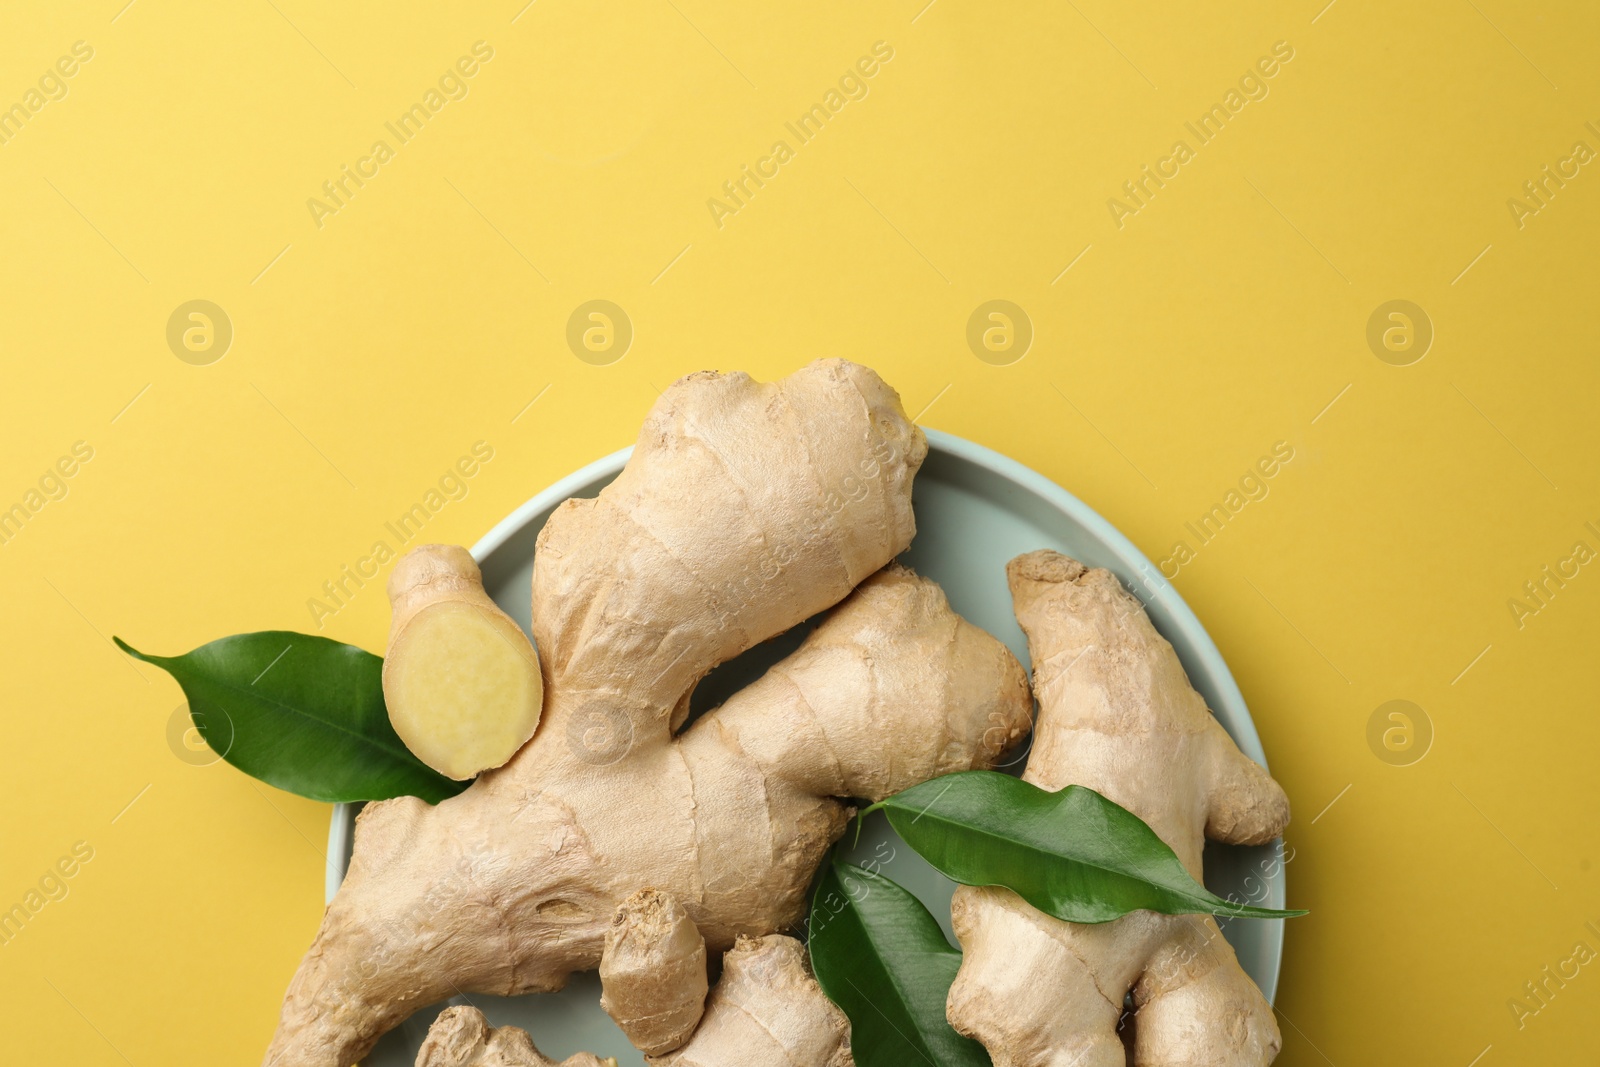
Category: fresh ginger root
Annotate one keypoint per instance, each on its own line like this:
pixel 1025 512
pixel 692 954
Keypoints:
pixel 653 972
pixel 745 509
pixel 765 1009
pixel 462 1037
pixel 461 679
pixel 1117 714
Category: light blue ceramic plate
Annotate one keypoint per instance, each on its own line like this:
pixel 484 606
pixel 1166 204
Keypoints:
pixel 976 509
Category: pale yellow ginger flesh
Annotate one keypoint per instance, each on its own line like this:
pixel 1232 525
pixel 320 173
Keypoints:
pixel 745 509
pixel 765 1011
pixel 461 679
pixel 1117 714
pixel 462 1037
pixel 653 972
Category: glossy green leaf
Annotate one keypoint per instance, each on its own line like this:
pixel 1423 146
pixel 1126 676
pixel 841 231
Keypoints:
pixel 1072 854
pixel 883 959
pixel 302 713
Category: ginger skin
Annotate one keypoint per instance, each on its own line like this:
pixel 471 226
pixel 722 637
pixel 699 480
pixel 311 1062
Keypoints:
pixel 1117 714
pixel 653 972
pixel 462 1037
pixel 461 679
pixel 745 509
pixel 766 1009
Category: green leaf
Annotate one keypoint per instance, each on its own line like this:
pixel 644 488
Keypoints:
pixel 302 713
pixel 883 959
pixel 1071 854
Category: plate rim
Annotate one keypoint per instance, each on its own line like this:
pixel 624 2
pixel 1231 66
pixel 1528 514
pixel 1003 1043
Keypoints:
pixel 1235 713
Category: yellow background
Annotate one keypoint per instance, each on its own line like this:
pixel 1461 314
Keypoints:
pixel 431 310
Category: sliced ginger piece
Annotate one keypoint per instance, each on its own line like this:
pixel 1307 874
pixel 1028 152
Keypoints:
pixel 461 679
